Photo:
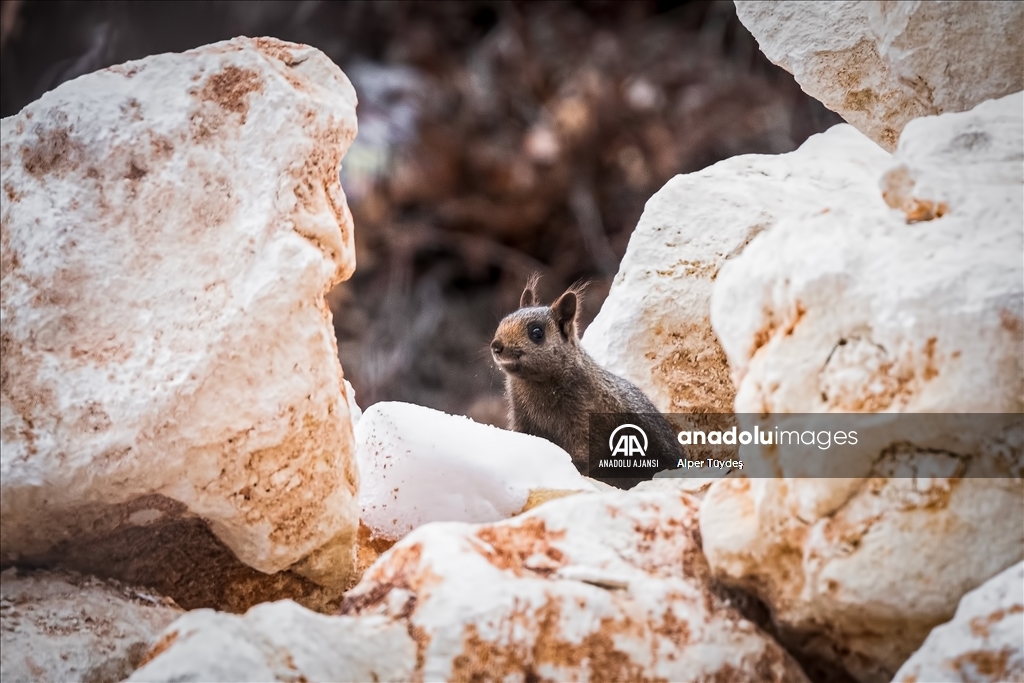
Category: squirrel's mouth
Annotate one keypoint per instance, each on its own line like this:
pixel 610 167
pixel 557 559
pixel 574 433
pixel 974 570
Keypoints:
pixel 510 365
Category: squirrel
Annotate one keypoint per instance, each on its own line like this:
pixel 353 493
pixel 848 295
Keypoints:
pixel 553 385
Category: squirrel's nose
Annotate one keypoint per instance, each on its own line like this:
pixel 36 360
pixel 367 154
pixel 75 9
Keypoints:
pixel 497 347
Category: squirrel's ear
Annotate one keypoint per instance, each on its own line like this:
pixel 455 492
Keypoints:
pixel 564 310
pixel 529 297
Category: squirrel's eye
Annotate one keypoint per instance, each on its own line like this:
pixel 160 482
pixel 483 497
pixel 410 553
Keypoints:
pixel 536 333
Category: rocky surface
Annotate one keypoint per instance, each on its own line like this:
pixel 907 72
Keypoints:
pixel 654 328
pixel 182 559
pixel 418 465
pixel 61 626
pixel 864 308
pixel 280 641
pixel 173 411
pixel 855 585
pixel 592 587
pixel 170 227
pixel 984 642
pixel 880 65
pixel 869 307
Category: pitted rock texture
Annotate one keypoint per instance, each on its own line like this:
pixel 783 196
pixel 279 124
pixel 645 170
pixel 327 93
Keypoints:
pixel 871 307
pixel 654 327
pixel 169 229
pixel 61 626
pixel 600 587
pixel 983 643
pixel 882 64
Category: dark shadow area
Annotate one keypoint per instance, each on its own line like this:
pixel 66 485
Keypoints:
pixel 179 557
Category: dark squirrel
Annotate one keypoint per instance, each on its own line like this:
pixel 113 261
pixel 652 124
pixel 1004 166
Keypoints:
pixel 553 385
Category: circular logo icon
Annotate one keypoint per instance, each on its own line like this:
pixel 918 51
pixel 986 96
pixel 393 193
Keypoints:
pixel 628 440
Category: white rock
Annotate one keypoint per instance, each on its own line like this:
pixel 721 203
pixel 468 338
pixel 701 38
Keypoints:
pixel 60 626
pixel 280 641
pixel 606 586
pixel 169 229
pixel 882 64
pixel 695 486
pixel 354 412
pixel 418 465
pixel 983 643
pixel 653 328
pixel 970 163
pixel 854 310
pixel 858 311
pixel 866 565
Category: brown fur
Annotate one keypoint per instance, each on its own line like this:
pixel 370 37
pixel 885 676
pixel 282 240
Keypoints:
pixel 553 385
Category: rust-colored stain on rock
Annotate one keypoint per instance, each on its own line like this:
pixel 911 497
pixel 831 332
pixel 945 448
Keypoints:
pixel 920 210
pixel 1010 321
pixel 277 49
pixel 12 194
pixel 54 151
pixel 488 660
pixel 368 549
pixel 230 89
pixel 765 332
pixel 538 497
pixel 930 371
pixel 696 370
pixel 159 647
pixel 401 570
pixel 800 312
pixel 992 664
pixel 10 261
pixel 672 627
pixel 513 544
pixel 294 503
pixel 980 625
pixel 126 70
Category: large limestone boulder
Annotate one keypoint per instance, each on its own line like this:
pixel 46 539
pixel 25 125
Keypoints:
pixel 914 304
pixel 169 229
pixel 591 587
pixel 983 643
pixel 654 327
pixel 280 641
pixel 870 307
pixel 418 465
pixel 60 626
pixel 882 64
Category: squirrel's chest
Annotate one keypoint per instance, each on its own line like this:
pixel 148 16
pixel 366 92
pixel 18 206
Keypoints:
pixel 551 408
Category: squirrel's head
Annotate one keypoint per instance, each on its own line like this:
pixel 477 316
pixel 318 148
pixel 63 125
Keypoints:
pixel 538 342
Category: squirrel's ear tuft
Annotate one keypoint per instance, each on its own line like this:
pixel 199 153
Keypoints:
pixel 564 311
pixel 529 297
pixel 579 287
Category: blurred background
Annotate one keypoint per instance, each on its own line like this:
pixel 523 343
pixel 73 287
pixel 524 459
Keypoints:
pixel 495 139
